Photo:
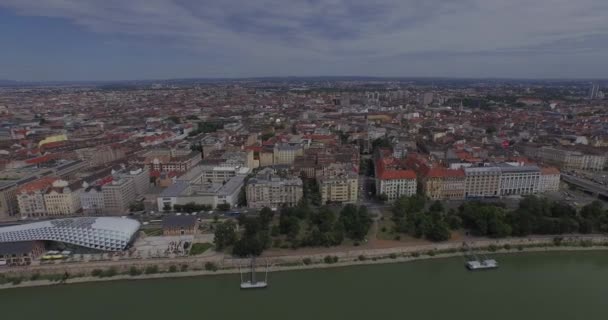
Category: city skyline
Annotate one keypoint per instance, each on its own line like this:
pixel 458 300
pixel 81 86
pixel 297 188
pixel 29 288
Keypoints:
pixel 111 40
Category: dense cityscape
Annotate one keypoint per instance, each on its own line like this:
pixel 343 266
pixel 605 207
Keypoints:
pixel 303 159
pixel 192 169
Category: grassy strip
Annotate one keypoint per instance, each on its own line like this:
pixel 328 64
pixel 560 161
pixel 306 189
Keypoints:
pixel 200 248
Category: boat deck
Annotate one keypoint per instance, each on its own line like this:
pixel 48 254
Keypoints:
pixel 257 285
pixel 482 264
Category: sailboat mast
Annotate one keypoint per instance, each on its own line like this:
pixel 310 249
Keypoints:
pixel 253 281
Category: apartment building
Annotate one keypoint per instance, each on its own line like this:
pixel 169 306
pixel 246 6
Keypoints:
pixel 267 189
pixel 519 180
pixel 445 184
pixel 30 197
pixel 392 179
pixel 164 160
pixel 91 200
pixel 572 160
pixel 396 183
pixel 62 198
pixel 338 183
pixel 285 154
pixel 212 194
pixel 140 177
pixel 549 179
pixel 118 195
pixel 482 182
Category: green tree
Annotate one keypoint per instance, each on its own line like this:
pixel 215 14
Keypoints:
pixel 223 207
pixel 225 235
pixel 266 215
pixel 356 221
pixel 436 206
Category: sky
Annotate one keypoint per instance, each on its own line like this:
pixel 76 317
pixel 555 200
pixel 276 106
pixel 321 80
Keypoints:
pixel 72 40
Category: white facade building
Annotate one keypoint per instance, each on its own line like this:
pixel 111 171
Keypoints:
pixel 519 180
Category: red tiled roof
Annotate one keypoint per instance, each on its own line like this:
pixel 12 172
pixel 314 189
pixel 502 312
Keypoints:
pixel 396 174
pixel 36 185
pixel 445 173
pixel 549 170
pixel 45 158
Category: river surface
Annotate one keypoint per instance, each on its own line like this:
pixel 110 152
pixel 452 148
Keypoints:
pixel 568 285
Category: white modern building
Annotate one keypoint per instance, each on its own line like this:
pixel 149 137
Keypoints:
pixel 549 179
pixel 212 194
pixel 102 233
pixel 519 180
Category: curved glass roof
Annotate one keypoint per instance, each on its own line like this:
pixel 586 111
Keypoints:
pixel 102 233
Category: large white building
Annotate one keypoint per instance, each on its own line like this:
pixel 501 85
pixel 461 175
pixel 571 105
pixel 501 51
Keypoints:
pixel 519 180
pixel 103 233
pixel 91 199
pixel 212 174
pixel 549 179
pixel 212 194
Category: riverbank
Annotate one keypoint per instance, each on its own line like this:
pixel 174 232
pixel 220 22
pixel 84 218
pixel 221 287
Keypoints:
pixel 304 262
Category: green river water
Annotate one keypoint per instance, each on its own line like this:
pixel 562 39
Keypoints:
pixel 567 285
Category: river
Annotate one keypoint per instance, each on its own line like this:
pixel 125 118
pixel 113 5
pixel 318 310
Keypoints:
pixel 562 285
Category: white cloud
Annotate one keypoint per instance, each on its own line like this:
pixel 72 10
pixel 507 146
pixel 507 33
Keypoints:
pixel 340 34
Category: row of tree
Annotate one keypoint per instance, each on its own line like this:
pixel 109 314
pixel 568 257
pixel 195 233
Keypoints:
pixel 534 215
pixel 300 226
pixel 410 218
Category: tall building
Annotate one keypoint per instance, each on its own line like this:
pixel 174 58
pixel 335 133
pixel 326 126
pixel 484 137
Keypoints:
pixel 594 92
pixel 427 98
pixel 140 177
pixel 482 182
pixel 519 180
pixel 267 189
pixel 118 195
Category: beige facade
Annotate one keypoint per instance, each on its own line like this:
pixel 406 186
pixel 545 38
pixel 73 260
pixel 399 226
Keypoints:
pixel 451 187
pixel 62 199
pixel 339 189
pixel 482 182
pixel 31 204
pixel 286 154
pixel 269 190
pixel 572 160
pixel 266 158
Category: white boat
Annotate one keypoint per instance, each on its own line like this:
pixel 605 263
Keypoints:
pixel 257 285
pixel 252 283
pixel 482 264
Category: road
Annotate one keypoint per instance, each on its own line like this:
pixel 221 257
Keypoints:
pixel 586 184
